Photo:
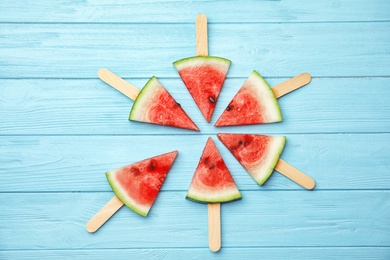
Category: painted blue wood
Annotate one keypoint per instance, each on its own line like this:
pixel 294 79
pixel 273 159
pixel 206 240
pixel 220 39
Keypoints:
pixel 173 11
pixel 61 128
pixel 326 105
pixel 308 253
pixel 142 50
pixel 260 219
pixel 78 163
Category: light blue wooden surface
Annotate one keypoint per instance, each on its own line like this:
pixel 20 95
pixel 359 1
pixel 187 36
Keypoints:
pixel 61 128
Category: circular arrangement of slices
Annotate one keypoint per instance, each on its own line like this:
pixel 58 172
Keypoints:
pixel 137 185
pixel 255 103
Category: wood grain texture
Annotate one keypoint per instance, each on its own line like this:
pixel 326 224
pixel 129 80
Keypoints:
pixel 78 163
pixel 214 226
pixel 201 43
pixel 326 105
pixel 318 218
pixel 61 128
pixel 143 50
pixel 295 175
pixel 173 11
pixel 307 253
pixel 124 87
pixel 291 84
pixel 104 214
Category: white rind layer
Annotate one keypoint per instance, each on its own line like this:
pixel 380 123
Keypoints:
pixel 139 112
pixel 124 197
pixel 257 84
pixel 203 196
pixel 198 61
pixel 262 170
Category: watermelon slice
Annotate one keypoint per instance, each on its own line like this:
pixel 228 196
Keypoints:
pixel 137 185
pixel 155 105
pixel 212 181
pixel 203 77
pixel 254 103
pixel 258 154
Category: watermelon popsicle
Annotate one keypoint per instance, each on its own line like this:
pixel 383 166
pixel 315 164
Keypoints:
pixel 260 155
pixel 136 186
pixel 214 209
pixel 256 102
pixel 203 75
pixel 153 104
pixel 212 183
pixel 209 100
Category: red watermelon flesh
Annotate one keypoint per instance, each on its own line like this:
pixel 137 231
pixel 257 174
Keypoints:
pixel 212 181
pixel 137 185
pixel 258 154
pixel 254 103
pixel 155 105
pixel 204 77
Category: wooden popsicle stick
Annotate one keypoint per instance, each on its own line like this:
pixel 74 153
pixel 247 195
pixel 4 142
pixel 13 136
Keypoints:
pixel 295 175
pixel 202 48
pixel 214 220
pixel 104 214
pixel 214 209
pixel 291 84
pixel 118 83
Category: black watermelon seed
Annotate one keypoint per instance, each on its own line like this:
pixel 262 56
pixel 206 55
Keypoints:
pixel 229 108
pixel 206 160
pixel 135 171
pixel 152 166
pixel 211 166
pixel 240 142
pixel 212 100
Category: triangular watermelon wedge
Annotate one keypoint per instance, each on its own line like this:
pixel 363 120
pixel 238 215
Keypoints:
pixel 254 103
pixel 212 181
pixel 155 105
pixel 204 77
pixel 258 154
pixel 137 185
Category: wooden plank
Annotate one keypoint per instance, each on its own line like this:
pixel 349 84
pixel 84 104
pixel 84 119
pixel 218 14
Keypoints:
pixel 57 137
pixel 326 105
pixel 141 50
pixel 183 11
pixel 277 219
pixel 308 253
pixel 78 163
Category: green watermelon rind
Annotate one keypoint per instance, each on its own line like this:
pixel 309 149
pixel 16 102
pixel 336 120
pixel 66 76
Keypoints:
pixel 267 171
pixel 230 195
pixel 120 193
pixel 274 104
pixel 139 108
pixel 201 60
pixel 269 107
pixel 139 112
pixel 225 190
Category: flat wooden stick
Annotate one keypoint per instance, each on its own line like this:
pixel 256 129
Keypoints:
pixel 118 83
pixel 104 214
pixel 214 219
pixel 214 209
pixel 295 175
pixel 291 84
pixel 201 36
